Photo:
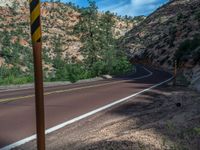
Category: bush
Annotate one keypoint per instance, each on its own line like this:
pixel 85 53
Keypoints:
pixel 6 72
pixel 71 72
pixel 188 47
pixel 16 80
pixel 13 76
pixel 75 72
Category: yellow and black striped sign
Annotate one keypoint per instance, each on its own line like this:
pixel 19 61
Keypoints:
pixel 36 33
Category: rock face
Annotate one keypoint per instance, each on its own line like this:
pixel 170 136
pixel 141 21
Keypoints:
pixel 10 3
pixel 158 38
pixel 5 3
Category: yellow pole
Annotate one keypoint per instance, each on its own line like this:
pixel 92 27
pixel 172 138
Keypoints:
pixel 36 36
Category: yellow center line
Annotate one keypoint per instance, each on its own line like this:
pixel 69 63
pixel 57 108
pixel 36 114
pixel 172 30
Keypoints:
pixel 56 92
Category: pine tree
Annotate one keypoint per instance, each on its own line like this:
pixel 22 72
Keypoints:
pixel 99 45
pixel 57 62
pixel 108 44
pixel 14 7
pixel 89 31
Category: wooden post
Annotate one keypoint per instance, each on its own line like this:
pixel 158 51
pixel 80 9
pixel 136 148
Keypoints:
pixel 175 72
pixel 36 36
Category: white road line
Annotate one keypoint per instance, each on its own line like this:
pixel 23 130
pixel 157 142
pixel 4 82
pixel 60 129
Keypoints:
pixel 150 74
pixel 33 137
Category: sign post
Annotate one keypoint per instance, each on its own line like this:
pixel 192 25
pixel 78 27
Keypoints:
pixel 175 72
pixel 36 35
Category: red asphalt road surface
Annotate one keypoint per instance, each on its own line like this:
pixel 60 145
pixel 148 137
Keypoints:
pixel 17 118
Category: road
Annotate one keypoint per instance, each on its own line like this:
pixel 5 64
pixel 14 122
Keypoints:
pixel 63 103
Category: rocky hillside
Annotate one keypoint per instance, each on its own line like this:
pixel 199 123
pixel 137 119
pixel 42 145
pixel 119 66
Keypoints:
pixel 171 33
pixel 58 21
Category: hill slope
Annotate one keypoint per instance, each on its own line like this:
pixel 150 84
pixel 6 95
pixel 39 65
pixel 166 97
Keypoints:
pixel 171 33
pixel 58 22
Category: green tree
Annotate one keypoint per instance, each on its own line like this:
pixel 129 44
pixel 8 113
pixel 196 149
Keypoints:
pixel 99 46
pixel 107 41
pixel 58 61
pixel 14 7
pixel 89 30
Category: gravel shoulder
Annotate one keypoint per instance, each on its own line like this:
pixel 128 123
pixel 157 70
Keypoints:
pixel 166 118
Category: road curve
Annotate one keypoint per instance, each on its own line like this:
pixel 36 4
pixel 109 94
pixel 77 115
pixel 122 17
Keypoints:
pixel 63 103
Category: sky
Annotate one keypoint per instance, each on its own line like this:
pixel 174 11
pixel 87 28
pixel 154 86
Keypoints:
pixel 124 7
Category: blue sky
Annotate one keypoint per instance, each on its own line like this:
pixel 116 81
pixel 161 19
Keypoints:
pixel 124 7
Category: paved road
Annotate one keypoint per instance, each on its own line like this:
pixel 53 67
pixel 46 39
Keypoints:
pixel 62 103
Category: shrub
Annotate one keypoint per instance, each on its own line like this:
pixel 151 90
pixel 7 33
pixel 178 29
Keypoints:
pixel 188 47
pixel 13 76
pixel 16 80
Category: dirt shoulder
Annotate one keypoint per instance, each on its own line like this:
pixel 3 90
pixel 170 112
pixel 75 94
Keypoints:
pixel 166 118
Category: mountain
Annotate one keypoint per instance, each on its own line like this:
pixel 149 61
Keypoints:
pixel 58 22
pixel 171 33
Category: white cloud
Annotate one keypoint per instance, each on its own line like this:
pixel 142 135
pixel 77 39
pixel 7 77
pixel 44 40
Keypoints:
pixel 133 7
pixel 143 2
pixel 107 6
pixel 125 7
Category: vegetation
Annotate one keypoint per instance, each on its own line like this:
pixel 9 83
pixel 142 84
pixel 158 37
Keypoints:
pixel 14 7
pixel 99 51
pixel 13 54
pixel 99 47
pixel 189 48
